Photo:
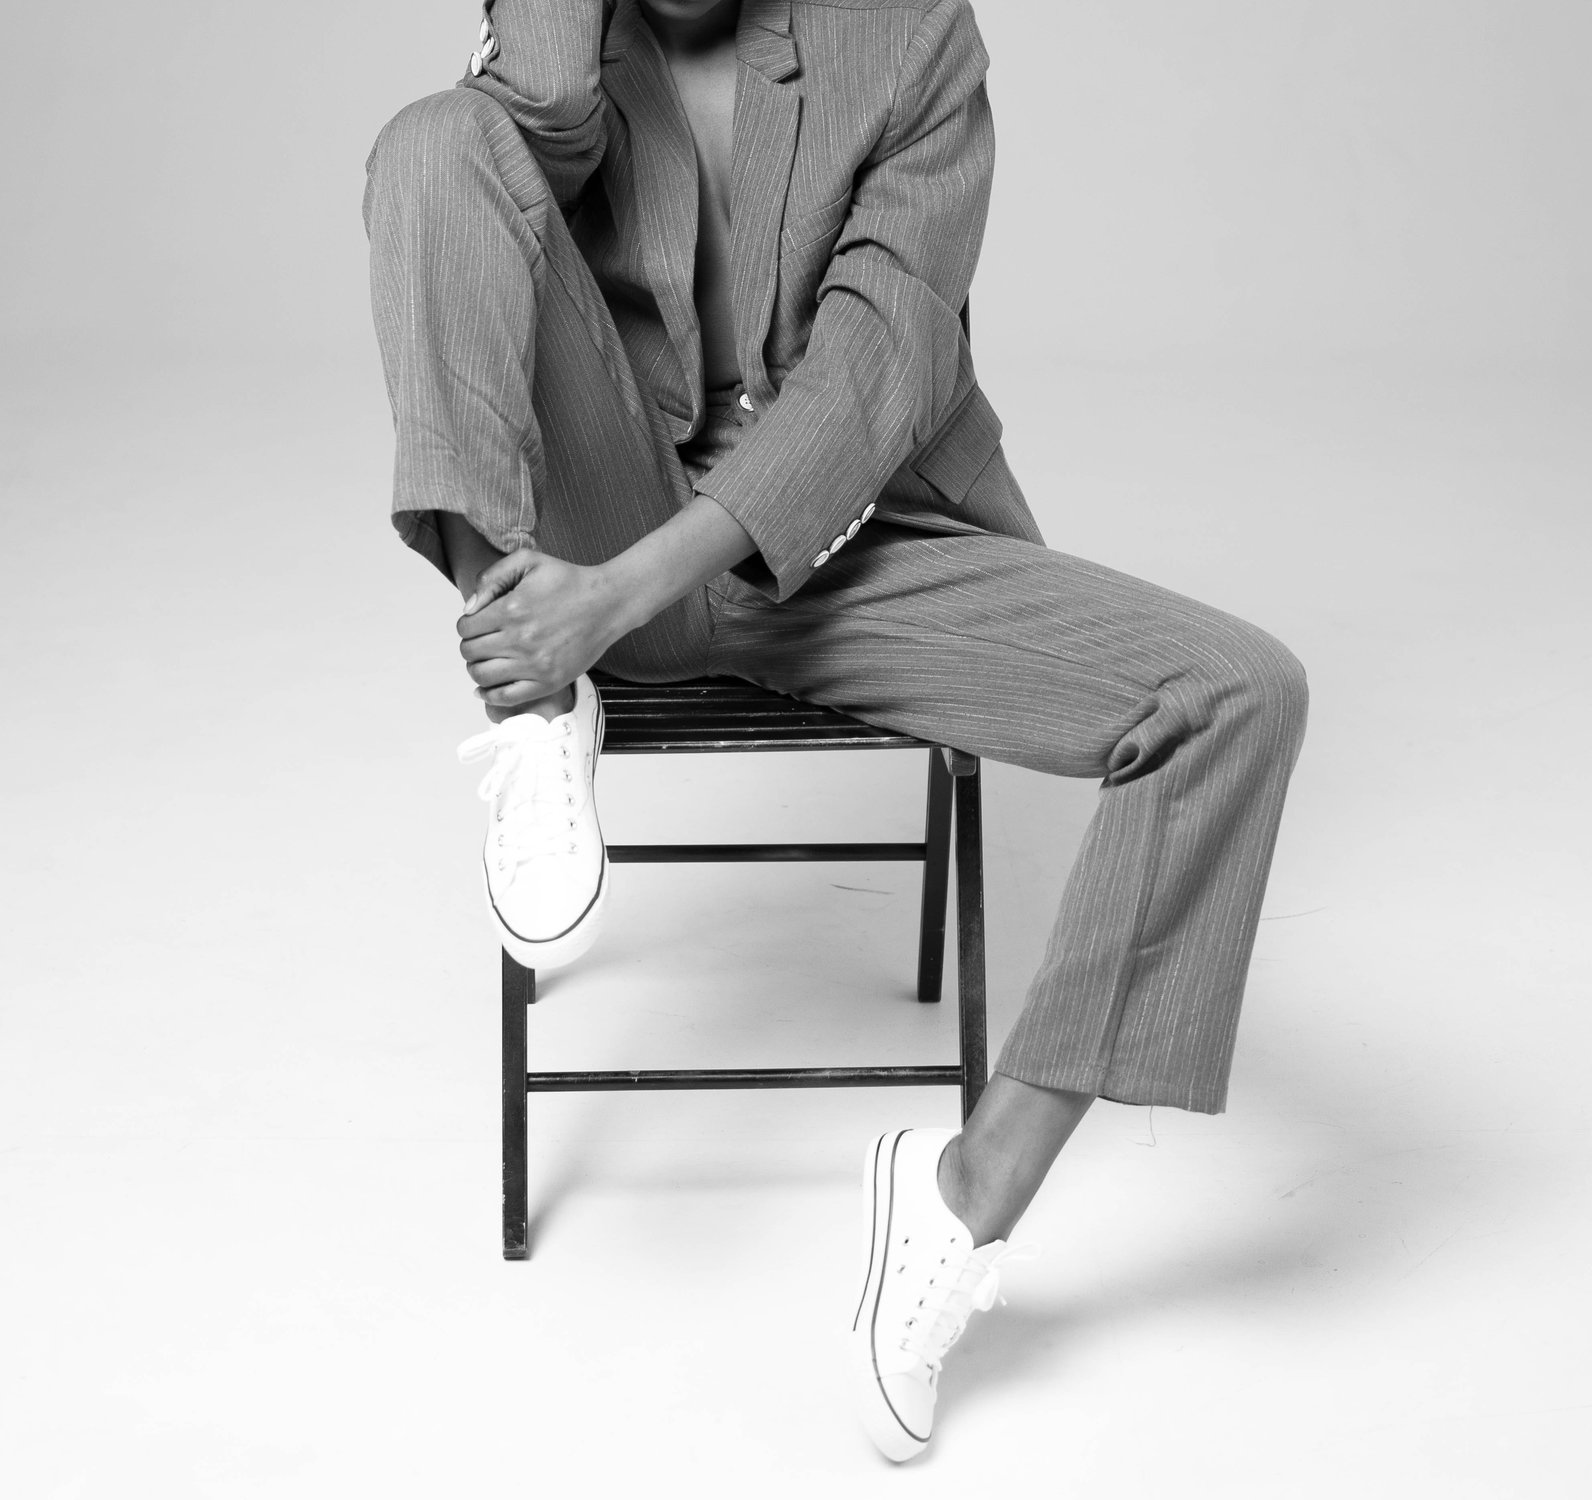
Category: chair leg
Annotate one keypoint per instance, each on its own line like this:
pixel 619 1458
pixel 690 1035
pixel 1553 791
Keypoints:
pixel 970 928
pixel 936 879
pixel 519 992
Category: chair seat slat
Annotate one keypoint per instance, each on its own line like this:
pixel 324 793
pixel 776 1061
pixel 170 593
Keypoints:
pixel 682 746
pixel 772 728
pixel 726 713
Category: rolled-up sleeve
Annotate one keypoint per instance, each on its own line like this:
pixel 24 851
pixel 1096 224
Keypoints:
pixel 884 363
pixel 541 60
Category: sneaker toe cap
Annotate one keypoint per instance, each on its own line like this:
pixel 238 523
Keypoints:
pixel 539 905
pixel 898 1411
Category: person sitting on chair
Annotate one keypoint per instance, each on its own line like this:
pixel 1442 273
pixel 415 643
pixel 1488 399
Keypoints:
pixel 668 296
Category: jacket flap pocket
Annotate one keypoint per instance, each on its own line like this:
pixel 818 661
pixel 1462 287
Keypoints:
pixel 958 452
pixel 805 229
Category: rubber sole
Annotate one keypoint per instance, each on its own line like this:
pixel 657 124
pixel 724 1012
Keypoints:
pixel 559 952
pixel 879 1419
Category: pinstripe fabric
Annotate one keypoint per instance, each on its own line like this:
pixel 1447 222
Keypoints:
pixel 535 383
pixel 863 150
pixel 513 399
pixel 1191 718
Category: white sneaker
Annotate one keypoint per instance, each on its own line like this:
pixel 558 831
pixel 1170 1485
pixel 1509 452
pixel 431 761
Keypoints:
pixel 924 1281
pixel 544 862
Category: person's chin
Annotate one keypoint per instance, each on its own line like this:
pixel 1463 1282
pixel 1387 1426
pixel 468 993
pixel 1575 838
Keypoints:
pixel 681 10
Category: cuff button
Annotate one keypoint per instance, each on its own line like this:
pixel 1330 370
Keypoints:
pixel 821 559
pixel 475 64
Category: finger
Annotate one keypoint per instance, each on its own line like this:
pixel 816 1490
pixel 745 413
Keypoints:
pixel 488 619
pixel 497 673
pixel 502 612
pixel 484 647
pixel 515 694
pixel 499 578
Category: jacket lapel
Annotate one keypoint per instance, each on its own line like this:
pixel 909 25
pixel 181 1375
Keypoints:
pixel 767 113
pixel 653 181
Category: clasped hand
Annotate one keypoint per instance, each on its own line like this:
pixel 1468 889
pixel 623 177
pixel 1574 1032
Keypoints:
pixel 534 624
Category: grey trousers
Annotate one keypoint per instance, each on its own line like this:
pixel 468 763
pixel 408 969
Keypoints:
pixel 515 406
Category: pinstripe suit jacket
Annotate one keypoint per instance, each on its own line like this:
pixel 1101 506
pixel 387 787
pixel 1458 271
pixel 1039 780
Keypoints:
pixel 862 156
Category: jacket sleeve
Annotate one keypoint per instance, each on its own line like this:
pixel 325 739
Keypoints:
pixel 540 59
pixel 884 363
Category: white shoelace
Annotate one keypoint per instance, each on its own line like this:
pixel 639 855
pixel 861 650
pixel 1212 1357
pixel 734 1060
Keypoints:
pixel 537 787
pixel 966 1285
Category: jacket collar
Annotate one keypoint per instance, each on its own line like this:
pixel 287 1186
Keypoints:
pixel 763 40
pixel 767 114
pixel 659 159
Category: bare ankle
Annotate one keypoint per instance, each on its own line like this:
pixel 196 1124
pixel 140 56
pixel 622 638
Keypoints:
pixel 544 708
pixel 956 1191
pixel 558 704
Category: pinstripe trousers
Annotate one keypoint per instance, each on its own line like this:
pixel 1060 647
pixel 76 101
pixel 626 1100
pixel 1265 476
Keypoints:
pixel 515 405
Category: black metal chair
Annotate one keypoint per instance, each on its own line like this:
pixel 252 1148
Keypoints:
pixel 725 714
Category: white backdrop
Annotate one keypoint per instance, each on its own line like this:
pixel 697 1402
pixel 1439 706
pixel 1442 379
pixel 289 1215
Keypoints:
pixel 1286 305
pixel 1255 176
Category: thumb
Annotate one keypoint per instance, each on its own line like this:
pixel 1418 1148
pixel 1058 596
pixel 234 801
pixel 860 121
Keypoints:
pixel 500 577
